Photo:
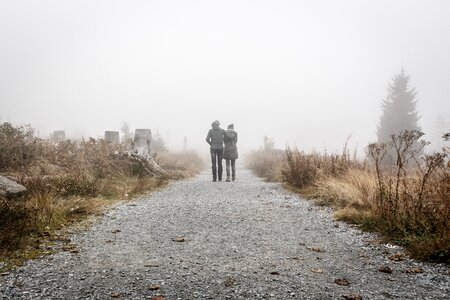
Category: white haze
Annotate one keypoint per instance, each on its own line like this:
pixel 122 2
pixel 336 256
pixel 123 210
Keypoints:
pixel 309 73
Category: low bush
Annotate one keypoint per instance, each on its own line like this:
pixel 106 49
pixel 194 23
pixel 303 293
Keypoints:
pixel 18 146
pixel 412 198
pixel 14 216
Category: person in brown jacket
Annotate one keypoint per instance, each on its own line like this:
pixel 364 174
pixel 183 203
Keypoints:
pixel 230 153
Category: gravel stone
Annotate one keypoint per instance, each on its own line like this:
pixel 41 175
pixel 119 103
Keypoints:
pixel 248 239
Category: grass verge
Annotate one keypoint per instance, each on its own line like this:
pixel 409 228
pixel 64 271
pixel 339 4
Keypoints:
pixel 407 201
pixel 66 183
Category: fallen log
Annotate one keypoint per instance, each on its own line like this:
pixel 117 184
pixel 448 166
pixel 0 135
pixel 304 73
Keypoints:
pixel 148 164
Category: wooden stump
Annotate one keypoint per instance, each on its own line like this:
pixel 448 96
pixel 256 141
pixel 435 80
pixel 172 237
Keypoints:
pixel 58 136
pixel 142 141
pixel 112 137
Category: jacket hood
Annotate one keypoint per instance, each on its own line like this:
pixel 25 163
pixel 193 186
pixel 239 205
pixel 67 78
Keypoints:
pixel 230 133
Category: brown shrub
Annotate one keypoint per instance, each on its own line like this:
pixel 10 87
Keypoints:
pixel 300 170
pixel 303 170
pixel 14 217
pixel 18 147
pixel 413 197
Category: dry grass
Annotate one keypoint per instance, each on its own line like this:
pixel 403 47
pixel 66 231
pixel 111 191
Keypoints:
pixel 354 189
pixel 365 218
pixel 180 164
pixel 265 163
pixel 302 169
pixel 68 182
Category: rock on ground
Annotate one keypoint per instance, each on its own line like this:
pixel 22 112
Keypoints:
pixel 248 239
pixel 9 188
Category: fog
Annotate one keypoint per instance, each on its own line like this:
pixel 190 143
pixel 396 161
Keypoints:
pixel 309 73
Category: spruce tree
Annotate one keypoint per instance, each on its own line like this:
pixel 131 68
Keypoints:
pixel 398 109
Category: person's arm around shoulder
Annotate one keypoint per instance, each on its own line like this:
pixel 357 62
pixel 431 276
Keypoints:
pixel 208 137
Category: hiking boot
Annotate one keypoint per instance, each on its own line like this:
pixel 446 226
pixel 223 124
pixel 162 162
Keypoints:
pixel 214 180
pixel 228 179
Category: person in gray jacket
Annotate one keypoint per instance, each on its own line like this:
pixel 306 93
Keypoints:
pixel 215 140
pixel 230 153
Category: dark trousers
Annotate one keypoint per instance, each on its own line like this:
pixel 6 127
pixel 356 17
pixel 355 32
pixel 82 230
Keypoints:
pixel 216 163
pixel 231 162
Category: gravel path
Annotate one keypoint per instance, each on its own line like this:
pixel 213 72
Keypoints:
pixel 250 239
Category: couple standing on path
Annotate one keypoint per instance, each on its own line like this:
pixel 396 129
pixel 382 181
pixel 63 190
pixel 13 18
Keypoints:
pixel 216 138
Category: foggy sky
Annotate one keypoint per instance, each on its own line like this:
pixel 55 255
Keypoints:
pixel 309 73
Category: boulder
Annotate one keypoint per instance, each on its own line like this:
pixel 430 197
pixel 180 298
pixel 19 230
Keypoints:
pixel 10 189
